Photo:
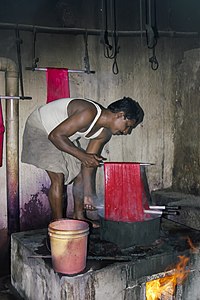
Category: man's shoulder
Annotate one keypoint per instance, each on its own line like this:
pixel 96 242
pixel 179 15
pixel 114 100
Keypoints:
pixel 82 104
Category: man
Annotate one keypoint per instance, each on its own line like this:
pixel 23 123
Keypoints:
pixel 51 142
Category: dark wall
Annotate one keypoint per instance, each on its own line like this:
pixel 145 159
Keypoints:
pixel 178 15
pixel 186 175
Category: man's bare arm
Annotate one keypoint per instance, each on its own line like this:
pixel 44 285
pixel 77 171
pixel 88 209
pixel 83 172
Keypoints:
pixel 59 136
pixel 89 174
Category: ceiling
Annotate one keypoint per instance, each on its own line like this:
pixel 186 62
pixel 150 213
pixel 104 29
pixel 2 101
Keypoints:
pixel 173 15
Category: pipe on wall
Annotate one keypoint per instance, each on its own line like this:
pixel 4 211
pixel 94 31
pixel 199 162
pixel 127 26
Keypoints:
pixel 75 31
pixel 12 142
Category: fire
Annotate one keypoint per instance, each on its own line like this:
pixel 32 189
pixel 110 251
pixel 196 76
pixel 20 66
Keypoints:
pixel 165 287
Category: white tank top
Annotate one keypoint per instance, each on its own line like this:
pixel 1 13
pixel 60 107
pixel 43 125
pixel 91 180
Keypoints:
pixel 55 112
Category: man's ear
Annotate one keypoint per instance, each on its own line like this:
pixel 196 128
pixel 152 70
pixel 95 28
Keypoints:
pixel 121 114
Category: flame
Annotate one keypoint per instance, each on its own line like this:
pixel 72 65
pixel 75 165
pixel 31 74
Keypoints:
pixel 165 287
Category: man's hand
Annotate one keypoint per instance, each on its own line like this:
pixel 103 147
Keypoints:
pixel 91 160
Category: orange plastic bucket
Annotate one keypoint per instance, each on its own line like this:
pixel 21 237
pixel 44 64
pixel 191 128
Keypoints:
pixel 68 239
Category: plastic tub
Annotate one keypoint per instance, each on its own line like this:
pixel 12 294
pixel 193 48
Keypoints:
pixel 68 240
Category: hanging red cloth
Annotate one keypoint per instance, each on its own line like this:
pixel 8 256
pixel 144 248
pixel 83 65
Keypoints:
pixel 57 84
pixel 125 197
pixel 2 129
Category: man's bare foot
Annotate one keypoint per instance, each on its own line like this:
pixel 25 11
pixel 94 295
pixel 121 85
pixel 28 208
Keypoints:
pixel 94 224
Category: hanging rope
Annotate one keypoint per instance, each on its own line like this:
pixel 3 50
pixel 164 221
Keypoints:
pixel 18 43
pixel 153 60
pixel 151 31
pixel 141 23
pixel 35 59
pixel 111 49
pixel 107 46
pixel 86 58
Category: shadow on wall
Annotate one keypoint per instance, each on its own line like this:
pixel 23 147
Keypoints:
pixel 4 252
pixel 35 214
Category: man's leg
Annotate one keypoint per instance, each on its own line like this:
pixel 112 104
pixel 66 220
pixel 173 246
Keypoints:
pixel 55 194
pixel 78 197
pixel 79 211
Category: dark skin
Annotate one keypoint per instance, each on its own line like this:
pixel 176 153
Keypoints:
pixel 81 114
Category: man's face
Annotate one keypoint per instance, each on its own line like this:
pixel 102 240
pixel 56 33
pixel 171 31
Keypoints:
pixel 123 126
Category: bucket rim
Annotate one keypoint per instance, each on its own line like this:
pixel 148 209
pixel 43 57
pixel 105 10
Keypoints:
pixel 50 226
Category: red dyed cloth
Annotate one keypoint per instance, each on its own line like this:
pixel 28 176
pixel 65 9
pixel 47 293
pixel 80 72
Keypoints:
pixel 57 84
pixel 2 129
pixel 125 197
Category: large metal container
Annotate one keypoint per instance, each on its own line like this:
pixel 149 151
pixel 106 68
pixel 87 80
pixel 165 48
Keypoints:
pixel 127 234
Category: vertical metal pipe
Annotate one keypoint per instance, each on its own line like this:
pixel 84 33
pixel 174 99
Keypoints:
pixel 12 151
pixel 12 143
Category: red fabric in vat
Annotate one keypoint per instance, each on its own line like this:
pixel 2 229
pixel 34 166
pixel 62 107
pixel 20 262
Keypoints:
pixel 2 129
pixel 125 197
pixel 57 84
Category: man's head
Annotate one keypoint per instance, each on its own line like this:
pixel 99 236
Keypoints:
pixel 128 110
pixel 132 110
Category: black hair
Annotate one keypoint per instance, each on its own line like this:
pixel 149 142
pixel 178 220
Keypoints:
pixel 130 107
